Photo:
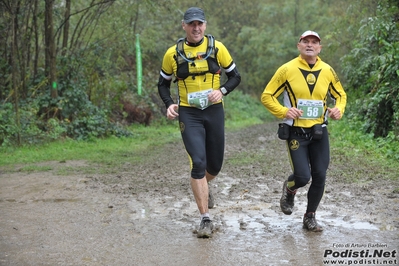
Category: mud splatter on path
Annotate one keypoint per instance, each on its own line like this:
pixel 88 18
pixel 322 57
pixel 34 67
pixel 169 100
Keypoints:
pixel 145 214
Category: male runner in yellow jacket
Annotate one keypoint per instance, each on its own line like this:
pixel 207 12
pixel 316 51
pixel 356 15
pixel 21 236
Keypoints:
pixel 306 82
pixel 196 62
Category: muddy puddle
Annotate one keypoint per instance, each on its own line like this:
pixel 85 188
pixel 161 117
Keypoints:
pixel 143 215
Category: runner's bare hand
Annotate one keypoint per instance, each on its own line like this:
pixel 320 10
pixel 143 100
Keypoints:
pixel 294 113
pixel 171 112
pixel 215 96
pixel 334 113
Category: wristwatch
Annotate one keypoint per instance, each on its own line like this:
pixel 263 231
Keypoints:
pixel 223 90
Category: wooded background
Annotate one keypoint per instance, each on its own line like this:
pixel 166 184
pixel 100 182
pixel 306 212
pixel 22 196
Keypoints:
pixel 68 68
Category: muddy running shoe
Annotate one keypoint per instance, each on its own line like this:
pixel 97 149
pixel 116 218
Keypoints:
pixel 211 202
pixel 287 199
pixel 205 228
pixel 310 223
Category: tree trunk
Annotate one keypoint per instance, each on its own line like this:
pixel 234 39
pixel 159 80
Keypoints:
pixel 50 48
pixel 36 40
pixel 14 72
pixel 66 26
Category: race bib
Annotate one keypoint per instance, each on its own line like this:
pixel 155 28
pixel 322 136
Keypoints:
pixel 311 108
pixel 199 99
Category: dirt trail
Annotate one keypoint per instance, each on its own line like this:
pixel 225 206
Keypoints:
pixel 145 214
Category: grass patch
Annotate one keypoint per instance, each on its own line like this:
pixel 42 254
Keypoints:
pixel 35 168
pixel 111 151
pixel 364 157
pixel 361 157
pixel 241 111
pixel 244 110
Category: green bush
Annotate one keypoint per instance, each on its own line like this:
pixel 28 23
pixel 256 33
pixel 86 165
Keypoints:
pixel 373 76
pixel 8 126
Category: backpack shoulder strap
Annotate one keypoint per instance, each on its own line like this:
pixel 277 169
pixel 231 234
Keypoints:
pixel 211 40
pixel 210 49
pixel 180 45
pixel 180 54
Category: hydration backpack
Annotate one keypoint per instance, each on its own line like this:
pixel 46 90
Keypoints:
pixel 183 62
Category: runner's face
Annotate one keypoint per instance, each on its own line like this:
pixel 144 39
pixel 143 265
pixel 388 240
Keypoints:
pixel 309 47
pixel 195 31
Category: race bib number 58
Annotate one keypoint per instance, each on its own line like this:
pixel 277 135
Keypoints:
pixel 311 108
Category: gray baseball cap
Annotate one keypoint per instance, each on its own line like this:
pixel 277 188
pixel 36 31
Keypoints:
pixel 194 13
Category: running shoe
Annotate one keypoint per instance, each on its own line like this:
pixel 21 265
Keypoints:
pixel 205 228
pixel 287 199
pixel 310 223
